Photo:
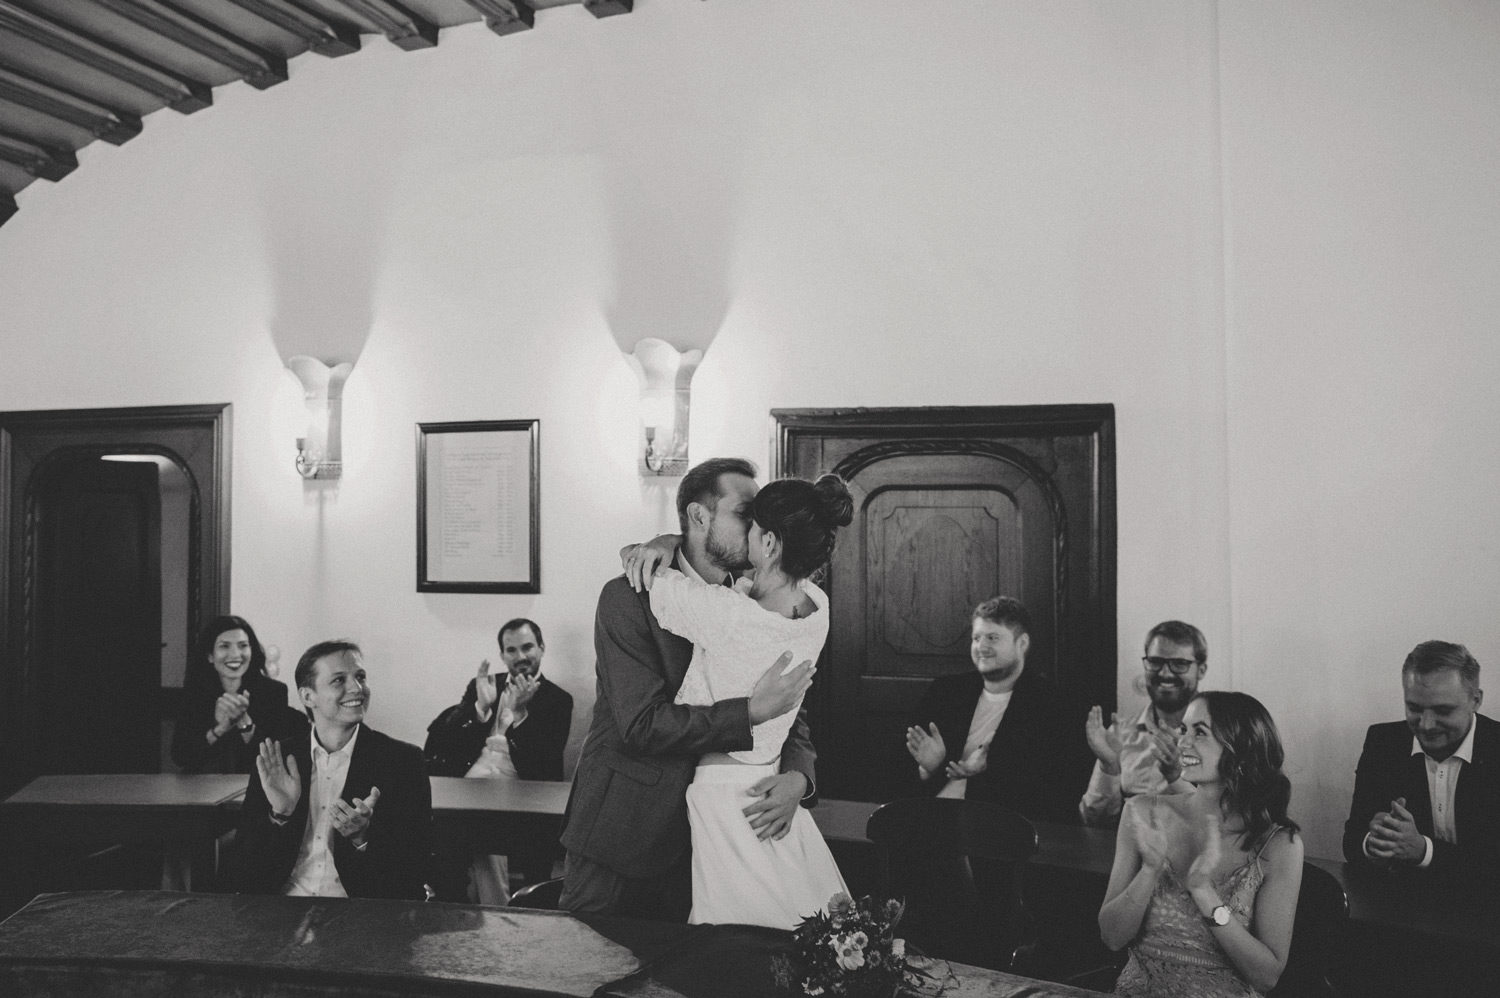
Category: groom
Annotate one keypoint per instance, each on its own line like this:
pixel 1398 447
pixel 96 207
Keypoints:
pixel 626 825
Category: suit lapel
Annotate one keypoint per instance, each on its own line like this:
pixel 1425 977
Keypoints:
pixel 1418 799
pixel 360 775
pixel 1468 792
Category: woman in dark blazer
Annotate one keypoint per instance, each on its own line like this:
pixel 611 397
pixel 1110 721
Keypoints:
pixel 229 704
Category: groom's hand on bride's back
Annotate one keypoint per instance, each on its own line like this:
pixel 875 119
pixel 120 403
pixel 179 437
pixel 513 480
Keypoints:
pixel 777 798
pixel 780 689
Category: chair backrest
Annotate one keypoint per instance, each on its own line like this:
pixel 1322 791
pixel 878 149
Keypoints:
pixel 959 865
pixel 543 895
pixel 1322 914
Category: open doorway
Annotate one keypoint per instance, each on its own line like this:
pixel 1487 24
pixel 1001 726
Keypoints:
pixel 116 548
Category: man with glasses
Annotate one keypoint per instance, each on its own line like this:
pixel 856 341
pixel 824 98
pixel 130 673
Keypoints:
pixel 1141 758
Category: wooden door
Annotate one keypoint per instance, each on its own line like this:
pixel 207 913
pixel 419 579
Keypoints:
pixel 953 506
pixel 34 448
pixel 98 614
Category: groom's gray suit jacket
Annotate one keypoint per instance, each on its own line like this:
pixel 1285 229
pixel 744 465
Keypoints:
pixel 628 807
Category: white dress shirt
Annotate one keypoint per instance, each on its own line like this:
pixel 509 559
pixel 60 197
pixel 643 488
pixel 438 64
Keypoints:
pixel 314 874
pixel 1442 780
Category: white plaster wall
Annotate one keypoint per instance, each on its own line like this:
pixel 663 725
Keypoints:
pixel 960 203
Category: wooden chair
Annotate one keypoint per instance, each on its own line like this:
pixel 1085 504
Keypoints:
pixel 960 866
pixel 543 895
pixel 1322 916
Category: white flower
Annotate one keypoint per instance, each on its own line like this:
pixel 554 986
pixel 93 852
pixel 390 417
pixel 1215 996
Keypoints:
pixel 898 948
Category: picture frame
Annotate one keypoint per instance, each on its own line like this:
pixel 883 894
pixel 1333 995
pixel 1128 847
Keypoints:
pixel 478 507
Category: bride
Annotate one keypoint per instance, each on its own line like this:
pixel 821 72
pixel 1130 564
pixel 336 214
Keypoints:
pixel 738 877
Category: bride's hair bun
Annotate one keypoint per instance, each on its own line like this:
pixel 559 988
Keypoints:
pixel 835 504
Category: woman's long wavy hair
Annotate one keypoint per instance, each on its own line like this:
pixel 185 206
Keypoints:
pixel 200 670
pixel 1255 788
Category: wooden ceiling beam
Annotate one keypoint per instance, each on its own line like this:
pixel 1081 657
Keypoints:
pixel 177 92
pixel 42 162
pixel 321 35
pixel 608 8
pixel 405 30
pixel 257 68
pixel 505 17
pixel 107 123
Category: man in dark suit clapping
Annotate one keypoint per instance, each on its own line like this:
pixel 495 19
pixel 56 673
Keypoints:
pixel 1427 790
pixel 999 733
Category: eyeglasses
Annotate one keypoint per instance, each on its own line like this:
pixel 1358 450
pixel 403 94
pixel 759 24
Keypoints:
pixel 1179 666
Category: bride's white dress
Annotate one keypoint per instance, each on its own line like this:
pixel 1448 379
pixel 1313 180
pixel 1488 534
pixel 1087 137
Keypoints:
pixel 736 876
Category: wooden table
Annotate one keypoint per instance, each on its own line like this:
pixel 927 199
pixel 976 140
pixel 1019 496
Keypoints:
pixel 179 812
pixel 497 813
pixel 130 943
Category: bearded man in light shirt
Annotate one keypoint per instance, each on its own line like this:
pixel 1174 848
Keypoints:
pixel 1141 757
pixel 343 813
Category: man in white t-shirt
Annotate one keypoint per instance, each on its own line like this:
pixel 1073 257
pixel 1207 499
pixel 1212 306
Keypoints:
pixel 999 733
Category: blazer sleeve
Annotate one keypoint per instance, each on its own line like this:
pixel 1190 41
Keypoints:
pixel 190 748
pixel 799 756
pixel 635 688
pixel 393 863
pixel 456 737
pixel 536 744
pixel 1372 785
pixel 264 852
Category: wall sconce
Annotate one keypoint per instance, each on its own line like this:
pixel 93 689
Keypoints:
pixel 320 452
pixel 666 375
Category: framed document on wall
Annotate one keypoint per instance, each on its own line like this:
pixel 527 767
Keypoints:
pixel 477 504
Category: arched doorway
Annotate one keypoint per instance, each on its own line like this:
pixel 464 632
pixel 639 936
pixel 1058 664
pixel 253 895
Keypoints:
pixel 116 520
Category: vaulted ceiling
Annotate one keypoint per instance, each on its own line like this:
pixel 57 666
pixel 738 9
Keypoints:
pixel 72 71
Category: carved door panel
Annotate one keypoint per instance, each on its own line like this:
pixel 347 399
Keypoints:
pixel 973 509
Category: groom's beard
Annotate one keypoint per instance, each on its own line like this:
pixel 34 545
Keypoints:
pixel 732 561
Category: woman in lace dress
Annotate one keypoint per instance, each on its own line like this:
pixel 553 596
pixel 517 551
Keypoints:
pixel 737 877
pixel 1204 886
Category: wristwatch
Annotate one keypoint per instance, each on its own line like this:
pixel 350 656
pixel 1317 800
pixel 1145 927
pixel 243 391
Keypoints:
pixel 1219 916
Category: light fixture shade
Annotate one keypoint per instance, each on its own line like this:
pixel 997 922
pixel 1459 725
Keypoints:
pixel 666 376
pixel 320 450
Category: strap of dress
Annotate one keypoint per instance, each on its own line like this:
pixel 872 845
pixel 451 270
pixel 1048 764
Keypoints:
pixel 1267 840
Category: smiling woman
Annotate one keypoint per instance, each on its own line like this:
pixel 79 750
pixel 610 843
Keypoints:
pixel 229 703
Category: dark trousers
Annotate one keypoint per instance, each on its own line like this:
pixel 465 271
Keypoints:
pixel 591 888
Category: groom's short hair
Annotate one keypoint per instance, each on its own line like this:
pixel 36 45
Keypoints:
pixel 701 483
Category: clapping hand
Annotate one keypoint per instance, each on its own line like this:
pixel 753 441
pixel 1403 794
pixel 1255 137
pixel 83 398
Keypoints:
pixel 227 710
pixel 352 819
pixel 484 691
pixel 279 777
pixel 1165 751
pixel 522 687
pixel 1394 837
pixel 970 765
pixel 926 746
pixel 1150 837
pixel 1105 742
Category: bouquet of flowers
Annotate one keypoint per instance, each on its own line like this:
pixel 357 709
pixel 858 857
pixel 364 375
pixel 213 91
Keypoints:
pixel 851 950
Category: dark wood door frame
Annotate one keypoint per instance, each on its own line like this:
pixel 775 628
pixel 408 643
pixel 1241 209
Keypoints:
pixel 196 437
pixel 984 430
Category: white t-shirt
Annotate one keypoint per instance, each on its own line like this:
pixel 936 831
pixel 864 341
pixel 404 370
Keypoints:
pixel 987 716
